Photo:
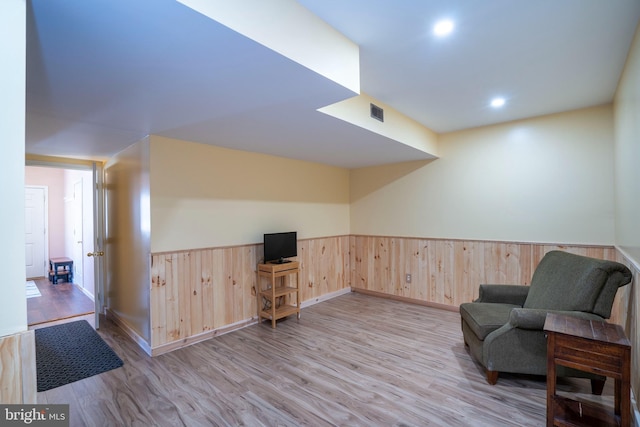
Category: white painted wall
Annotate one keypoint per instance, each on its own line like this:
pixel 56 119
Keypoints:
pixel 127 242
pixel 204 196
pixel 627 131
pixel 13 304
pixel 545 179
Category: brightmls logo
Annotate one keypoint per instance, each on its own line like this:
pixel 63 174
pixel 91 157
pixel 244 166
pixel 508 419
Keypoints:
pixel 34 415
pixel 27 416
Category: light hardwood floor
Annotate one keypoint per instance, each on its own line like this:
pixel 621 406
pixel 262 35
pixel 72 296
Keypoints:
pixel 355 360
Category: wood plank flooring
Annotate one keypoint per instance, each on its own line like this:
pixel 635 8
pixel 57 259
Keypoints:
pixel 355 360
pixel 60 301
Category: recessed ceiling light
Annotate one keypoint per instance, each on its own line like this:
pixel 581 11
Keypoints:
pixel 443 28
pixel 497 102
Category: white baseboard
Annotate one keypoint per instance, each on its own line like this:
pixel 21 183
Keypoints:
pixel 91 296
pixel 144 345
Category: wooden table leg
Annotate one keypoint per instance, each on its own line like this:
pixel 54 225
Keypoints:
pixel 623 403
pixel 258 296
pixel 551 379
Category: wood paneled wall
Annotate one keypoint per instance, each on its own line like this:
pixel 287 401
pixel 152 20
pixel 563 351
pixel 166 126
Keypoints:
pixel 447 272
pixel 199 293
pixel 18 368
pixel 202 292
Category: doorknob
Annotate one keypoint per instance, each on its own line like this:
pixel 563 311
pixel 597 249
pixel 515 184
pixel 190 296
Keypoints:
pixel 100 253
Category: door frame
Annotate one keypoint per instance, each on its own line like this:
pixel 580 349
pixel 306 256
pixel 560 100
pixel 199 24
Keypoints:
pixel 77 203
pixel 99 232
pixel 97 168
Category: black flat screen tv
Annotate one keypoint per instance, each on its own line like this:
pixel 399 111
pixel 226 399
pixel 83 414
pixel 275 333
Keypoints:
pixel 280 246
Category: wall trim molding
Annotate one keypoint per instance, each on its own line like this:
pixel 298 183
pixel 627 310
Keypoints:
pixel 502 242
pixel 630 258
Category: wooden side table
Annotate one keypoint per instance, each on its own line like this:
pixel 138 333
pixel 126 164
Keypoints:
pixel 268 306
pixel 592 346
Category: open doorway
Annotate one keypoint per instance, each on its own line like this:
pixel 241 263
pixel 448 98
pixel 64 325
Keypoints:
pixel 59 226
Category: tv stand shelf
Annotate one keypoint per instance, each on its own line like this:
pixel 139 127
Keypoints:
pixel 271 303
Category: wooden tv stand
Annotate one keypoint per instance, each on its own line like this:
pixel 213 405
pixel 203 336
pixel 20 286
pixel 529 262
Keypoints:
pixel 271 300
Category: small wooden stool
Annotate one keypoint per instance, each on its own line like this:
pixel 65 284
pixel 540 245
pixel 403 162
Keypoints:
pixel 60 268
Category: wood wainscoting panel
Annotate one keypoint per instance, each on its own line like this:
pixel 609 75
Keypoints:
pixel 18 368
pixel 158 294
pixel 324 266
pixel 200 292
pixel 245 286
pixel 447 272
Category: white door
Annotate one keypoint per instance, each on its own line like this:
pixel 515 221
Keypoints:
pixel 35 230
pixel 99 232
pixel 78 253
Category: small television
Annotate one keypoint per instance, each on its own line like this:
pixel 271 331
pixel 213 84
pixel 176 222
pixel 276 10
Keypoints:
pixel 280 246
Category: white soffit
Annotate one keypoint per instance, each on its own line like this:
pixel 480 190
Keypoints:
pixel 396 126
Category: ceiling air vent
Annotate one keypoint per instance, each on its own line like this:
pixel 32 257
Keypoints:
pixel 377 112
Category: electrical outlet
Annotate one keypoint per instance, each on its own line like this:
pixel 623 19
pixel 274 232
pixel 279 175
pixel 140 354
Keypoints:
pixel 408 278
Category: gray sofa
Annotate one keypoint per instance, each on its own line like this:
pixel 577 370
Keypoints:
pixel 503 328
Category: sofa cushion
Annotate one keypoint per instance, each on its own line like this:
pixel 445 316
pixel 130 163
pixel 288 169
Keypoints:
pixel 485 317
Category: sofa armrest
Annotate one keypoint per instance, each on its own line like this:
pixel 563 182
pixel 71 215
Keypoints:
pixel 534 318
pixel 503 294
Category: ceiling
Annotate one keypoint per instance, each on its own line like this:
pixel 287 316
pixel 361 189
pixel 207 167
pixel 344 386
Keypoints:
pixel 103 74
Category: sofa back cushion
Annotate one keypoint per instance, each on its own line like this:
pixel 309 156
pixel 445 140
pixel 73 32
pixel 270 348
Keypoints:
pixel 564 281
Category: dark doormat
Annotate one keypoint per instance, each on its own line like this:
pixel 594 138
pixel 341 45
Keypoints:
pixel 70 352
